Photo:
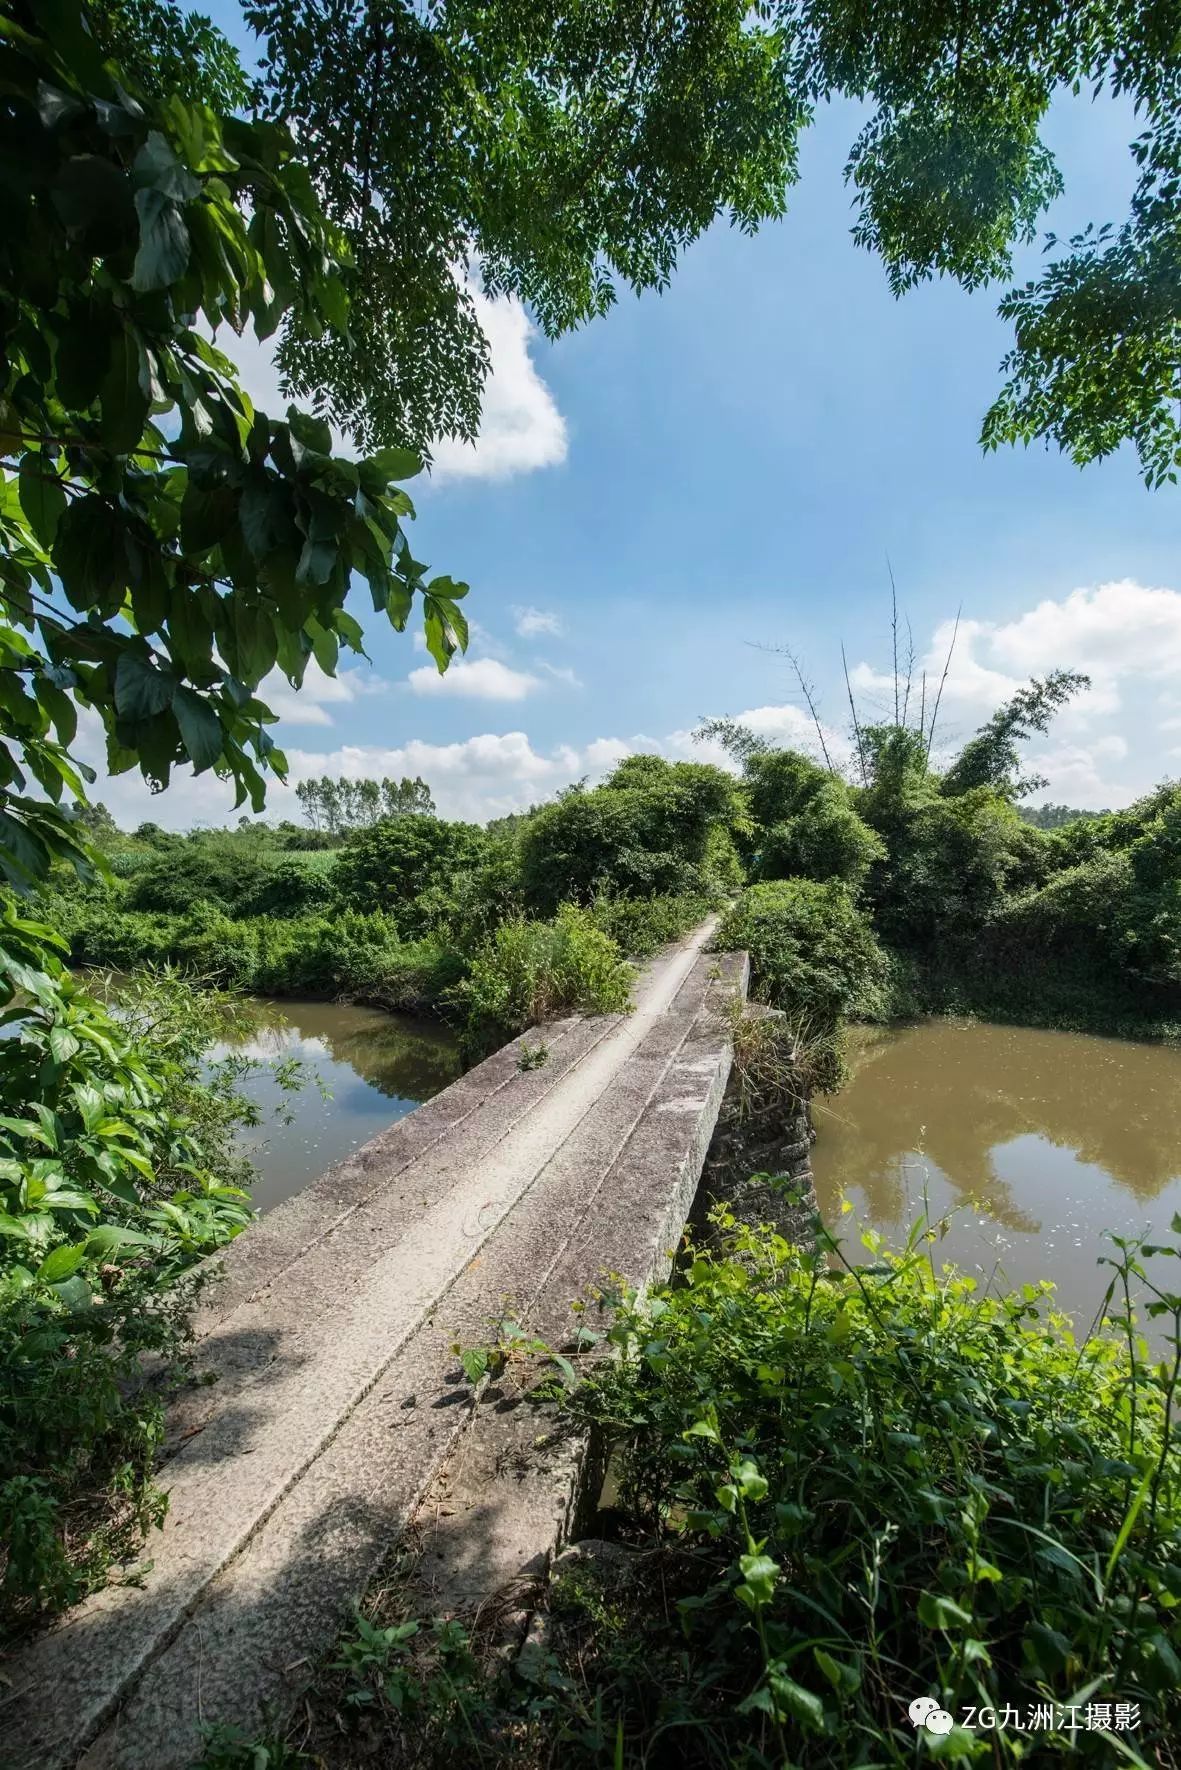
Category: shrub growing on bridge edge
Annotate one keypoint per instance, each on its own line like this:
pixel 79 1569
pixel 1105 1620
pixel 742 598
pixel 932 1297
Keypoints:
pixel 813 952
pixel 531 971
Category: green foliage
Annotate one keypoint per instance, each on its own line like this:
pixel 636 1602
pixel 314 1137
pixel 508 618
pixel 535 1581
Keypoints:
pixel 164 545
pixel 992 758
pixel 172 51
pixel 117 1170
pixel 558 154
pixel 1094 360
pixel 826 840
pixel 222 873
pixel 812 951
pixel 99 1148
pixel 804 823
pixel 640 926
pixel 948 863
pixel 390 864
pixel 565 157
pixel 646 833
pixel 533 971
pixel 966 1504
pixel 288 888
pixel 838 1487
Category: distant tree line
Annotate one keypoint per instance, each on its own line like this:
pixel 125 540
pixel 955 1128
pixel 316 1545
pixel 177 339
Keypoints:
pixel 338 806
pixel 1053 817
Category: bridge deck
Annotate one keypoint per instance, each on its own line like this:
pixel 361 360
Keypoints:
pixel 335 1403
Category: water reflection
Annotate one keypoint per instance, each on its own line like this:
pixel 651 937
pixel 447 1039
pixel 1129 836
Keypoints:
pixel 376 1067
pixel 1049 1137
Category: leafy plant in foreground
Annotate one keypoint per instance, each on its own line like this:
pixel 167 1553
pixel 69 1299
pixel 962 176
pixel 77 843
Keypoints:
pixel 867 1484
pixel 117 1171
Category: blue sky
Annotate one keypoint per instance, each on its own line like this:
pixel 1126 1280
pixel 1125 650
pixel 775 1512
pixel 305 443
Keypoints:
pixel 727 466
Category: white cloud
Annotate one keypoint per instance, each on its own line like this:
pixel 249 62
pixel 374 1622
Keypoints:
pixel 561 673
pixel 1112 632
pixel 308 704
pixel 521 428
pixel 1109 752
pixel 1125 636
pixel 483 679
pixel 531 622
pixel 1079 774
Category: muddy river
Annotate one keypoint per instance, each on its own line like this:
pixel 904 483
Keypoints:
pixel 1035 1142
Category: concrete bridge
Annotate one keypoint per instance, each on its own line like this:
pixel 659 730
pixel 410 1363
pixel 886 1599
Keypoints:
pixel 333 1419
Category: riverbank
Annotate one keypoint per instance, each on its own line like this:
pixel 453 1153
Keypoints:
pixel 967 980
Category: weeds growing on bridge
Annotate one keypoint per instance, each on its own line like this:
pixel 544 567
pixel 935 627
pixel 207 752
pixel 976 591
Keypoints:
pixel 840 1489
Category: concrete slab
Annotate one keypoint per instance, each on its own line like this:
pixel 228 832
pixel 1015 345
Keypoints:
pixel 336 1403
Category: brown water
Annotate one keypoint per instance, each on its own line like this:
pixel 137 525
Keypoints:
pixel 376 1067
pixel 1037 1141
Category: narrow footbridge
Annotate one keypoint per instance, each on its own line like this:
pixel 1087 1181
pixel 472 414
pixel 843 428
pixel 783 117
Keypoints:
pixel 332 1422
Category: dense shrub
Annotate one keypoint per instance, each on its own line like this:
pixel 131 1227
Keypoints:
pixel 825 839
pixel 289 887
pixel 948 863
pixel 779 783
pixel 117 1169
pixel 531 971
pixel 466 907
pixel 1116 915
pixel 390 864
pixel 812 952
pixel 224 873
pixel 961 1505
pixel 834 1491
pixel 640 926
pixel 646 832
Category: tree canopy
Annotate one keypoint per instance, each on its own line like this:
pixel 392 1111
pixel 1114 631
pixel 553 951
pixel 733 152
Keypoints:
pixel 164 546
pixel 560 152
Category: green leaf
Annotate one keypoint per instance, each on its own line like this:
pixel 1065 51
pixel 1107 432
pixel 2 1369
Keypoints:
pixel 88 555
pixel 61 1263
pixel 845 1679
pixel 108 1238
pixel 200 729
pixel 255 639
pixel 395 463
pixel 75 1293
pixel 802 1705
pixel 313 433
pixel 141 690
pixel 751 1484
pixel 62 1044
pixel 42 495
pixel 122 398
pixel 163 254
pixel 938 1612
pixel 475 1363
pixel 156 167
